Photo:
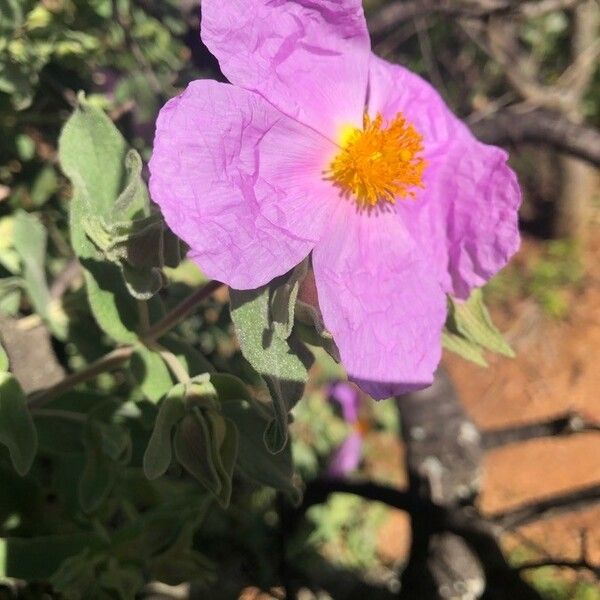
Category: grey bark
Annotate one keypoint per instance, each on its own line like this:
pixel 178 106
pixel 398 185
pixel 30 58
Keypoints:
pixel 456 558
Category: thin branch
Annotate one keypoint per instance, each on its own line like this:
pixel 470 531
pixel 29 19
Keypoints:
pixel 110 361
pixel 66 415
pixel 120 356
pixel 398 12
pixel 541 127
pixel 183 310
pixel 543 7
pixel 319 490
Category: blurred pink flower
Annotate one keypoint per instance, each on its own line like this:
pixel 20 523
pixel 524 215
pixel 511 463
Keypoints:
pixel 347 456
pixel 319 146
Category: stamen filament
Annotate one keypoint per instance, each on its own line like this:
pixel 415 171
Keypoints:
pixel 378 164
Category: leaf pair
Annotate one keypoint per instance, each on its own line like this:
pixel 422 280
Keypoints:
pixel 109 201
pixel 133 237
pixel 205 443
pixel 264 320
pixel 210 428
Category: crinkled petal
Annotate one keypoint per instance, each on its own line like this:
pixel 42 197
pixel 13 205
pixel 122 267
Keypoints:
pixel 310 58
pixel 239 182
pixel 380 300
pixel 346 457
pixel 466 218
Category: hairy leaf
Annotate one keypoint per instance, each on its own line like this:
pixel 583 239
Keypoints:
pixel 472 321
pixel 157 457
pixel 37 558
pixel 283 300
pixel 151 373
pixel 194 362
pixel 92 154
pixel 30 243
pixel 3 359
pixel 206 446
pixel 17 431
pixel 254 460
pixel 282 362
pixel 195 450
pixel 464 348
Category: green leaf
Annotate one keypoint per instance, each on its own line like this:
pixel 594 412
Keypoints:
pixel 30 244
pixel 52 426
pixel 10 294
pixel 108 447
pixel 194 362
pixel 206 446
pixel 463 347
pixel 282 362
pixel 10 300
pixel 254 460
pixel 133 202
pixel 39 557
pixel 142 282
pixel 195 450
pixel 137 245
pixel 122 582
pixel 311 335
pixel 230 387
pixel 151 373
pixel 180 562
pixel 50 429
pixel 115 441
pixel 44 186
pixel 4 364
pixel 17 430
pixel 92 154
pixel 77 575
pixel 98 477
pixel 228 454
pixel 157 457
pixel 472 321
pixel 283 300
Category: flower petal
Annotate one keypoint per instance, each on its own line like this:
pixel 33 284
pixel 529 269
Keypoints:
pixel 347 396
pixel 310 58
pixel 380 301
pixel 466 218
pixel 346 457
pixel 239 182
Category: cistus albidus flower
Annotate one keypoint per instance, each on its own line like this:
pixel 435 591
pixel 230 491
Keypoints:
pixel 319 147
pixel 346 457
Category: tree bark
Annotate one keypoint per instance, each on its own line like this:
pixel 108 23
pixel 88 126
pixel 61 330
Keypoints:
pixel 444 453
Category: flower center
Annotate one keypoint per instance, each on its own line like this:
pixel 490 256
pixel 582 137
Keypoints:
pixel 379 164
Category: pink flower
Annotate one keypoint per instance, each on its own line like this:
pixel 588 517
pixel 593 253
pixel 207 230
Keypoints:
pixel 320 147
pixel 346 457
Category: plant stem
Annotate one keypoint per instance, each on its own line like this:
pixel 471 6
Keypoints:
pixel 172 362
pixel 119 356
pixel 108 362
pixel 182 311
pixel 59 414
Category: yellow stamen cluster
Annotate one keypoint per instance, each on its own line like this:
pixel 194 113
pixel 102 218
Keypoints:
pixel 378 164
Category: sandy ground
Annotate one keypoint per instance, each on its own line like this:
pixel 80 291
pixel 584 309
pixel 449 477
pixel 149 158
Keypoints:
pixel 556 371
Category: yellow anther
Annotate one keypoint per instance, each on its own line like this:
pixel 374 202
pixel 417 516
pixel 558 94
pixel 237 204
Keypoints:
pixel 378 164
